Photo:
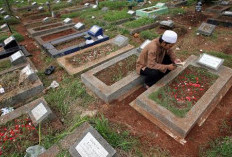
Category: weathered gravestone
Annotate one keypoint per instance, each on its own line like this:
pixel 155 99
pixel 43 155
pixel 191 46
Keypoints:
pixel 227 13
pixel 206 29
pixel 167 24
pixel 27 73
pixel 79 26
pixel 131 12
pixel 120 40
pixel 7 17
pixel 18 58
pixel 91 144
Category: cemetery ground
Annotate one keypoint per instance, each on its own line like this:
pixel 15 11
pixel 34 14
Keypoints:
pixel 126 130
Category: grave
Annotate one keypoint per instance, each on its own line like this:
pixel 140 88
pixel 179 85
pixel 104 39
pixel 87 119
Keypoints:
pixel 48 28
pixel 217 9
pixel 75 42
pixel 75 9
pixel 94 56
pixel 79 139
pixel 221 20
pixel 206 29
pixel 191 99
pixel 227 13
pixel 121 77
pixel 67 20
pixel 59 34
pixel 79 26
pixel 29 7
pixel 10 46
pixel 19 89
pixel 176 3
pixel 39 22
pixel 18 58
pixel 167 24
pixel 4 27
pixel 158 9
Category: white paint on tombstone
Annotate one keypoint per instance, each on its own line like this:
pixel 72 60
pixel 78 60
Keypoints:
pixel 94 29
pixel 89 41
pixel 8 40
pixel 145 43
pixel 16 55
pixel 210 61
pixel 87 4
pixel 131 12
pixel 34 3
pixel 6 17
pixel 27 70
pixel 1 9
pixel 67 20
pixel 40 8
pixel 94 6
pixel 39 111
pixel 78 25
pixel 4 26
pixel 90 147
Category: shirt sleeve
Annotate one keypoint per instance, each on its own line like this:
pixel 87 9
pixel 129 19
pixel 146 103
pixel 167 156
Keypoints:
pixel 152 64
pixel 171 54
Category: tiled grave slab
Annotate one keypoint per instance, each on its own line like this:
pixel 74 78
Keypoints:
pixel 176 3
pixel 73 70
pixel 121 87
pixel 20 94
pixel 225 21
pixel 217 9
pixel 76 142
pixel 159 8
pixel 206 29
pixel 177 127
pixel 41 42
pixel 51 46
pixel 26 109
pixel 46 28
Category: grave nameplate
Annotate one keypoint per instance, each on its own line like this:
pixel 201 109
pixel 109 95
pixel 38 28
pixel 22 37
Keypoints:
pixel 94 6
pixel 18 58
pixel 79 26
pixel 39 111
pixel 95 31
pixel 210 61
pixel 67 20
pixel 34 3
pixel 120 40
pixel 168 23
pixel 1 9
pixel 10 43
pixel 4 27
pixel 3 12
pixel 91 144
pixel 131 12
pixel 227 13
pixel 86 4
pixel 206 29
pixel 160 5
pixel 46 19
pixel 145 43
pixel 7 17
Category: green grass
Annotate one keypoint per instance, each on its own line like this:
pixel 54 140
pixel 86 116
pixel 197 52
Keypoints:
pixel 17 36
pixel 138 23
pixel 175 11
pixel 148 34
pixel 227 58
pixel 113 5
pixel 114 15
pixel 5 64
pixel 221 147
pixel 11 21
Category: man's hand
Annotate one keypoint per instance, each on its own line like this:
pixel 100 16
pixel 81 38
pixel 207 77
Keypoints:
pixel 171 67
pixel 177 61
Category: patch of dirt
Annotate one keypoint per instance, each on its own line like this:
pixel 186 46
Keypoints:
pixel 227 49
pixel 151 135
pixel 58 34
pixel 70 43
pixel 118 70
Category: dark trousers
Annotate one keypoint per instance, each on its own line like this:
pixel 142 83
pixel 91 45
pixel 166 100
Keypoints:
pixel 153 75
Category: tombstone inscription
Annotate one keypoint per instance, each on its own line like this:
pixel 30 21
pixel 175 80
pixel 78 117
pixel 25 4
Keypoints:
pixel 210 61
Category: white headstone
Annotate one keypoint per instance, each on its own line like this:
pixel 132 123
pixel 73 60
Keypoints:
pixel 46 19
pixel 1 9
pixel 3 12
pixel 160 5
pixel 39 111
pixel 4 26
pixel 34 3
pixel 89 41
pixel 94 6
pixel 100 37
pixel 90 147
pixel 6 17
pixel 79 25
pixel 131 12
pixel 94 29
pixel 67 20
pixel 40 8
pixel 145 43
pixel 227 13
pixel 27 70
pixel 210 61
pixel 86 4
pixel 16 55
pixel 8 40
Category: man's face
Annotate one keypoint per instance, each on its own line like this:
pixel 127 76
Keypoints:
pixel 167 45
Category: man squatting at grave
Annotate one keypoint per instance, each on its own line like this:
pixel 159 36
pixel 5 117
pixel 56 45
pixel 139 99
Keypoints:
pixel 156 59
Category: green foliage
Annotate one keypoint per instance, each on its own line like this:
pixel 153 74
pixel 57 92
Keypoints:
pixel 5 64
pixel 147 34
pixel 61 5
pixel 17 36
pixel 117 140
pixel 221 147
pixel 113 4
pixel 11 21
pixel 139 22
pixel 116 15
pixel 176 11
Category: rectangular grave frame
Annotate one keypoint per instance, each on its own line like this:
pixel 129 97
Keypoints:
pixel 143 13
pixel 219 21
pixel 31 13
pixel 76 70
pixel 28 24
pixel 34 33
pixel 25 8
pixel 208 33
pixel 141 28
pixel 21 94
pixel 41 42
pixel 177 4
pixel 113 92
pixel 52 51
pixel 213 10
pixel 176 127
pixel 4 54
pixel 75 9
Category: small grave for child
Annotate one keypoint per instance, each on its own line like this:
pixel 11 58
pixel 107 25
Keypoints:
pixel 48 28
pixel 186 96
pixel 217 9
pixel 206 29
pixel 221 20
pixel 114 78
pixel 18 127
pixel 19 84
pixel 94 56
pixel 75 42
pixel 158 9
pixel 84 141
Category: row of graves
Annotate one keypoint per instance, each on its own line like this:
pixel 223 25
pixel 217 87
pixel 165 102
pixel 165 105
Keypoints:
pixel 179 101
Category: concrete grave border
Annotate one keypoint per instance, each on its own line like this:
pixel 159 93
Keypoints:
pixel 113 92
pixel 25 7
pixel 76 70
pixel 28 24
pixel 34 33
pixel 74 9
pixel 176 127
pixel 211 9
pixel 70 140
pixel 51 50
pixel 4 54
pixel 219 21
pixel 21 94
pixel 40 41
pixel 179 3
